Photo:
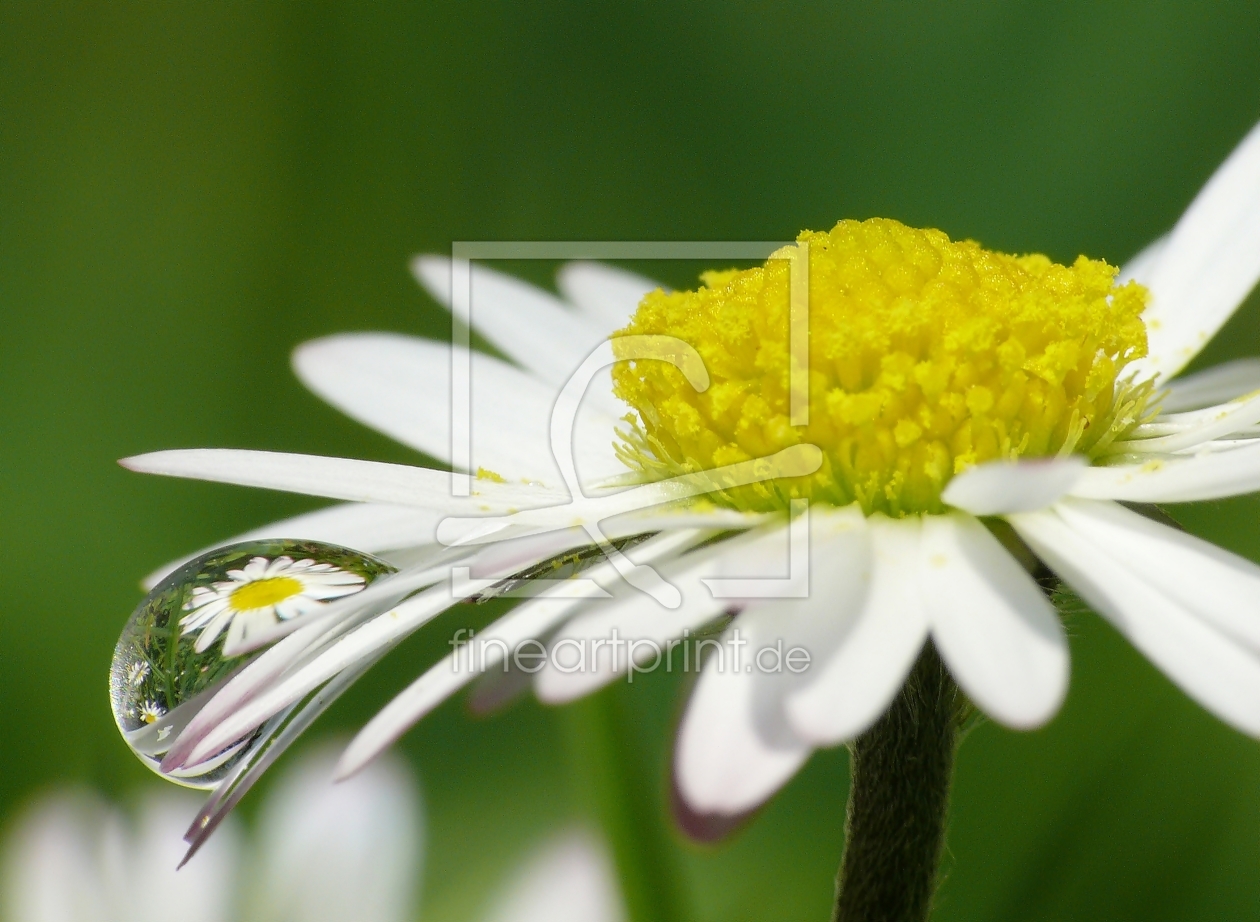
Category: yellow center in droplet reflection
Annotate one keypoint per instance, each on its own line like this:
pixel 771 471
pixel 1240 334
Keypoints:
pixel 926 356
pixel 264 593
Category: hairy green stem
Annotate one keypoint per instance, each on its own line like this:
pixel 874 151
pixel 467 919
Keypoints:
pixel 625 795
pixel 898 797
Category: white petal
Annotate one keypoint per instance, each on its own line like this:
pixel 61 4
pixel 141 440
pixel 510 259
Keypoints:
pixel 358 646
pixel 368 527
pixel 1210 667
pixel 992 624
pixel 401 386
pixel 1222 588
pixel 1001 486
pixel 835 536
pixel 1210 264
pixel 569 879
pixel 795 461
pixel 532 327
pixel 668 518
pixel 255 569
pixel 608 294
pixel 580 661
pixel 643 621
pixel 279 565
pixel 530 621
pixel 735 748
pixel 337 852
pixel 1211 386
pixel 452 673
pixel 854 686
pixel 1175 480
pixel 1185 431
pixel 1139 268
pixel 334 623
pixel 340 478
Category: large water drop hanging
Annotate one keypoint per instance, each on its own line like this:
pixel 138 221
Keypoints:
pixel 207 619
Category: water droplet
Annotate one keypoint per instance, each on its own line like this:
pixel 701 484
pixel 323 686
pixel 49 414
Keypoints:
pixel 207 620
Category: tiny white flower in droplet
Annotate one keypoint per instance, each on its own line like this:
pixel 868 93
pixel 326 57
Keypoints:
pixel 260 595
pixel 137 672
pixel 151 711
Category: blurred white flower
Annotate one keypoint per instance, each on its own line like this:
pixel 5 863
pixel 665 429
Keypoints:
pixel 567 879
pixel 321 852
pixel 338 852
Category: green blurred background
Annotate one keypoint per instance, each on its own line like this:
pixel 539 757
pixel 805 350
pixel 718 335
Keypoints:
pixel 189 190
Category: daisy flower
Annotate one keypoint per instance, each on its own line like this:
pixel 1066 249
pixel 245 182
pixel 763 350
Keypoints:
pixel 137 672
pixel 151 712
pixel 255 599
pixel 970 419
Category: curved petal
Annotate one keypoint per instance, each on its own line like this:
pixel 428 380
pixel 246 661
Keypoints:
pixel 528 622
pixel 1211 386
pixel 1209 265
pixel 999 487
pixel 341 478
pixel 333 852
pixel 1210 667
pixel 1222 588
pixel 530 326
pixel 370 527
pixel 854 685
pixel 1175 480
pixel 992 623
pixel 358 646
pixel 453 672
pixel 837 543
pixel 338 639
pixel 794 461
pixel 734 748
pixel 735 745
pixel 1181 432
pixel 643 622
pixel 608 294
pixel 400 385
pixel 583 656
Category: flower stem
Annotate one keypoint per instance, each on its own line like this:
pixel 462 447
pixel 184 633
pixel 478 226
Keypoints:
pixel 623 794
pixel 898 797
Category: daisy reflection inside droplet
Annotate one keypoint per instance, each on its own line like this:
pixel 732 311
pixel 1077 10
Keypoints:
pixel 203 622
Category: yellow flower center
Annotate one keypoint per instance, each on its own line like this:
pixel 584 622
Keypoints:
pixel 263 593
pixel 926 356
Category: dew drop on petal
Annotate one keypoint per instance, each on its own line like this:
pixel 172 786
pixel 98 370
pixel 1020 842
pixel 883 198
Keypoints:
pixel 205 621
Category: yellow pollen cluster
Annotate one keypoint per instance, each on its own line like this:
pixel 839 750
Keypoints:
pixel 263 593
pixel 926 356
